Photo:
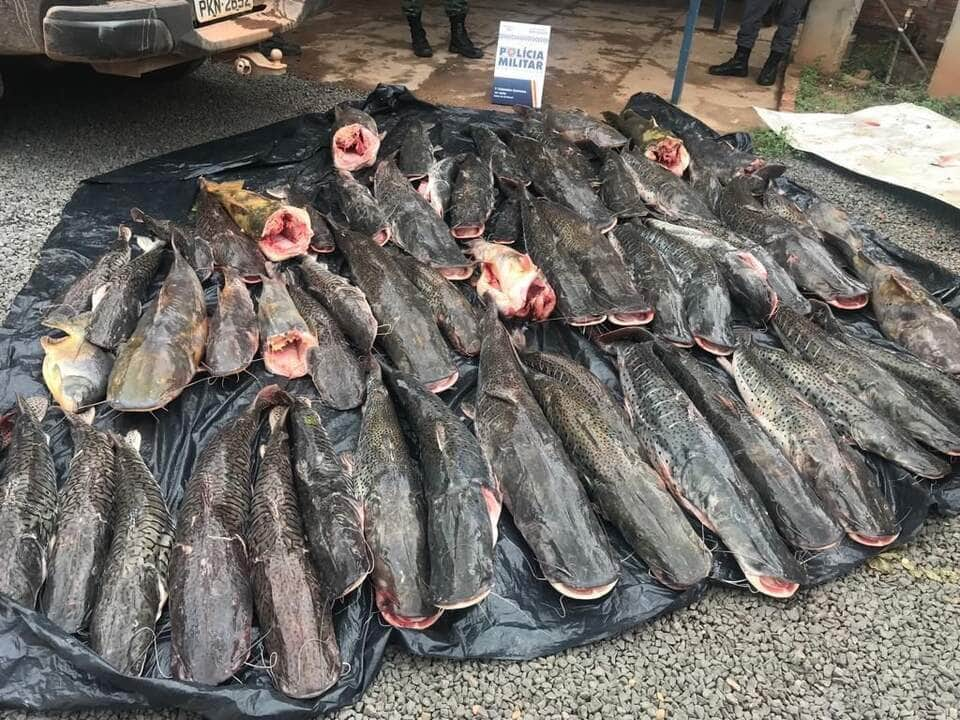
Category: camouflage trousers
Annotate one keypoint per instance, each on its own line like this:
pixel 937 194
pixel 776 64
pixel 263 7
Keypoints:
pixel 412 8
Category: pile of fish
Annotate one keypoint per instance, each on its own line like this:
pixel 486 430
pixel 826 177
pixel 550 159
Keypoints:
pixel 665 251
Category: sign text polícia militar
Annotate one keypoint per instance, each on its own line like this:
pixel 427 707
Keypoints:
pixel 520 64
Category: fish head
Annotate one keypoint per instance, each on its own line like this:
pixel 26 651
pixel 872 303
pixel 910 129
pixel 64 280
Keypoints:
pixel 816 272
pixel 669 152
pixel 286 234
pixel 354 147
pixel 288 353
pixel 512 280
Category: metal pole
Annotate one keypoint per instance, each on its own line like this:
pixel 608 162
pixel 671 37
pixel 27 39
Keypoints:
pixel 913 50
pixel 692 13
pixel 896 47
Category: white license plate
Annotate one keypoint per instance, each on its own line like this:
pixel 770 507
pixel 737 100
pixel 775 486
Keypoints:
pixel 207 10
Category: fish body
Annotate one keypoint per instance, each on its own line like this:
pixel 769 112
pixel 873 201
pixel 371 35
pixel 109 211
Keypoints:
pixel 681 446
pixel 234 335
pixel 597 436
pixel 163 354
pixel 28 505
pixel 281 231
pixel 745 276
pixel 506 167
pixel 706 301
pixel 717 158
pixel 511 279
pixel 807 441
pixel 363 212
pixel 330 503
pixel 395 514
pixel 555 180
pixel 211 597
pixel 286 340
pixel 619 187
pixel 803 256
pixel 600 264
pixel 462 498
pixel 346 303
pixel 85 505
pixel 652 274
pixel 778 278
pixel 332 364
pixel 505 224
pixel 195 249
pixel 115 315
pixel 354 141
pixel 75 371
pixel 229 247
pixel 411 338
pixel 415 157
pixel 79 296
pixel 867 381
pixel 795 508
pixel 473 198
pixel 418 229
pixel 578 127
pixel 656 143
pixel 437 187
pixel 295 618
pixel 665 193
pixel 456 317
pixel 133 587
pixel 539 483
pixel 575 301
pixel 868 429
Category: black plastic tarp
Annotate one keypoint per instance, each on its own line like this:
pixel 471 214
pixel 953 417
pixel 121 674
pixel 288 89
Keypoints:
pixel 43 669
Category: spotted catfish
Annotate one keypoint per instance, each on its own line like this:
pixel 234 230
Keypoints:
pixel 506 167
pixel 597 435
pixel 285 338
pixel 695 465
pixel 234 335
pixel 355 140
pixel 211 599
pixel 512 281
pixel 195 249
pixel 133 589
pixel 364 214
pixel 540 485
pixel 28 505
pixel 345 302
pixel 665 193
pixel 473 198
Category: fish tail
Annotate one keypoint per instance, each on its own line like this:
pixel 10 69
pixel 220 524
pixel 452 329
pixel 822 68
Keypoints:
pixel 34 406
pixel 270 397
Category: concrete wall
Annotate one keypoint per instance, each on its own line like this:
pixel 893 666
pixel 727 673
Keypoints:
pixel 826 33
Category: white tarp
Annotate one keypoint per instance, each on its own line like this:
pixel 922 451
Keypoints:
pixel 905 145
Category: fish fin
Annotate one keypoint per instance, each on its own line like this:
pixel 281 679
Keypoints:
pixel 469 409
pixel 725 363
pixel 770 172
pixel 216 187
pixel 35 406
pixel 88 415
pixel 348 462
pixel 518 339
pixel 138 216
pixel 278 416
pixel 133 439
pixel 98 295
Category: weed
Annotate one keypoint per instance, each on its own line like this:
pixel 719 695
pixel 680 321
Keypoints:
pixel 772 144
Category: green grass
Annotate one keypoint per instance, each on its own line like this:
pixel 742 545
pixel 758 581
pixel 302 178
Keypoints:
pixel 771 144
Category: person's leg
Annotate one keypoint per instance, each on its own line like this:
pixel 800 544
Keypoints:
pixel 790 14
pixel 418 36
pixel 738 65
pixel 459 40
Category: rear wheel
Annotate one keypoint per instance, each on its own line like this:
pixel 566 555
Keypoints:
pixel 174 72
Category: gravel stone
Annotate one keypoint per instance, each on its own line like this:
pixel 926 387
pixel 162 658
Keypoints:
pixel 876 644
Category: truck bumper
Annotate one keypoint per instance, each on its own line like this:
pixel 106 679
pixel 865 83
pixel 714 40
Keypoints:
pixel 133 30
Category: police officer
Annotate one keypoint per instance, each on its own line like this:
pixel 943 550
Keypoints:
pixel 459 40
pixel 791 11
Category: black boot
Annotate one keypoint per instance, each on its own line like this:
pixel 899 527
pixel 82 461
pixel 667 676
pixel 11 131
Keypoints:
pixel 418 37
pixel 735 66
pixel 460 41
pixel 770 69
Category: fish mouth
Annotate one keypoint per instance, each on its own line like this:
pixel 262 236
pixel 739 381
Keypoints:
pixel 470 602
pixel 872 540
pixel 633 317
pixel 772 586
pixel 712 347
pixel 322 249
pixel 586 320
pixel 467 231
pixel 286 354
pixel 850 302
pixel 402 622
pixel 583 593
pixel 664 579
pixel 354 148
pixel 503 241
pixel 456 273
pixel 286 234
pixel 382 236
pixel 679 342
pixel 438 386
pixel 607 228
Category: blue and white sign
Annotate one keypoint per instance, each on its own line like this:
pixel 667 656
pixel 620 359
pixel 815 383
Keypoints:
pixel 521 63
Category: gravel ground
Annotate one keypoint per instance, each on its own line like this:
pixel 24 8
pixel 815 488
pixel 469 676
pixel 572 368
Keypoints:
pixel 882 643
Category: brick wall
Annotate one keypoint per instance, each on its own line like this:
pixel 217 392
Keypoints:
pixel 931 18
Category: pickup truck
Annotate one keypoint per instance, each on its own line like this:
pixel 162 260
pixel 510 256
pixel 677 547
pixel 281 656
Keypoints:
pixel 137 37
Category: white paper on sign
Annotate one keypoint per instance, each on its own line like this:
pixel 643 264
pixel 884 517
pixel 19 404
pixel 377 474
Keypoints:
pixel 520 64
pixel 904 145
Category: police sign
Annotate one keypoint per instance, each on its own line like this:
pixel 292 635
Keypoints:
pixel 521 62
